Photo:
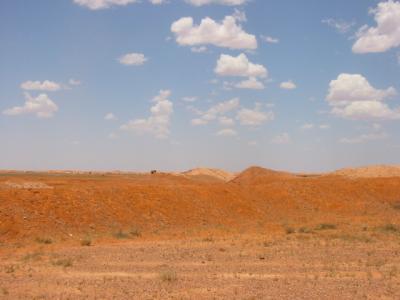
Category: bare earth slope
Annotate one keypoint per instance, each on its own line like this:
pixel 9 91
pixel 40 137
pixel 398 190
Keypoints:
pixel 370 172
pixel 261 235
pixel 256 199
pixel 214 173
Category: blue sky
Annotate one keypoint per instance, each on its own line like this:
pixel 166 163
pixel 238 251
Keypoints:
pixel 131 85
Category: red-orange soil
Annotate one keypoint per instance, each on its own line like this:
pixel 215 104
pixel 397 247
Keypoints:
pixel 218 237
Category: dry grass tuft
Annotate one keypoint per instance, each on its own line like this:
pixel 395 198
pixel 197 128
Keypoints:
pixel 168 276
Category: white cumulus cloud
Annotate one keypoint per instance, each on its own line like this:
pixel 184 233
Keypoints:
pixel 226 122
pixel 158 123
pixel 288 85
pixel 41 106
pixel 133 59
pixel 269 39
pixel 46 85
pixel 239 66
pixel 110 117
pixel 221 2
pixel 254 117
pixel 215 111
pixel 353 97
pixel 227 132
pixel 158 2
pixel 228 33
pixel 385 35
pixel 252 83
pixel 103 4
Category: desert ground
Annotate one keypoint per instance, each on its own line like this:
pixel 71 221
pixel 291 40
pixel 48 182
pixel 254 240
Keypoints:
pixel 200 234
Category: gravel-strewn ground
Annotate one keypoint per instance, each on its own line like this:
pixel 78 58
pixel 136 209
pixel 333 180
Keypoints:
pixel 327 264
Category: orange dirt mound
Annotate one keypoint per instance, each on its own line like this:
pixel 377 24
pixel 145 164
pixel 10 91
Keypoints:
pixel 214 173
pixel 255 175
pixel 257 200
pixel 370 172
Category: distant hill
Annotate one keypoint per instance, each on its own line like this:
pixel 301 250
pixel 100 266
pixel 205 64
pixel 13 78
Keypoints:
pixel 207 172
pixel 256 175
pixel 379 171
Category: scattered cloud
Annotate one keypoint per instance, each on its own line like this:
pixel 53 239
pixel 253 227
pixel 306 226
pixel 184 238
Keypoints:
pixel 226 122
pixel 254 117
pixel 103 4
pixel 307 126
pixel 288 85
pixel 352 97
pixel 158 2
pixel 133 59
pixel 364 138
pixel 215 111
pixel 41 106
pixel 201 49
pixel 221 2
pixel 282 139
pixel 47 85
pixel 159 121
pixel 73 81
pixel 269 39
pixel 228 33
pixel 252 83
pixel 189 99
pixel 239 15
pixel 239 66
pixel 226 132
pixel 110 117
pixel 324 126
pixel 199 122
pixel 339 25
pixel 385 35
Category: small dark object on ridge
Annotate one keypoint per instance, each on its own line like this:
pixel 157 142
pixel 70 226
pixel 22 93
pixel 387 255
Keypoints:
pixel 153 172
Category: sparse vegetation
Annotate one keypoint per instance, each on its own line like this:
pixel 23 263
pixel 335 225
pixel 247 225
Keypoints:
pixel 305 230
pixel 42 240
pixel 63 262
pixel 135 232
pixel 390 228
pixel 326 226
pixel 37 255
pixel 4 291
pixel 396 205
pixel 10 269
pixel 120 234
pixel 208 239
pixel 87 241
pixel 352 238
pixel 168 276
pixel 289 230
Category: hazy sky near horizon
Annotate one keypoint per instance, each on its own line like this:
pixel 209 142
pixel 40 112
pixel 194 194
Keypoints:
pixel 172 85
